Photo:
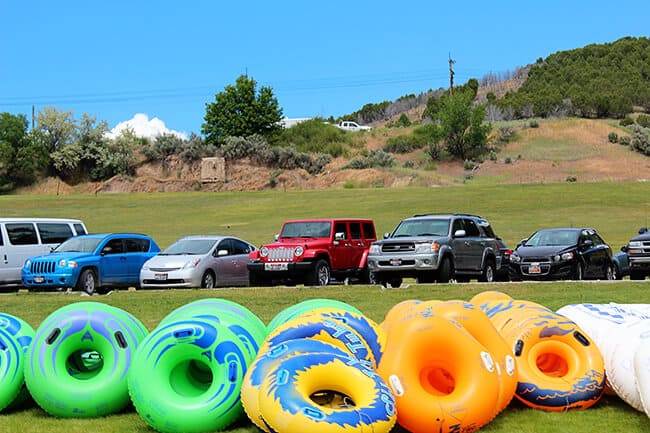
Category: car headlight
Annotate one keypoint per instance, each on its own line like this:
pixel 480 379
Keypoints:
pixel 192 264
pixel 264 252
pixel 298 251
pixel 427 248
pixel 635 244
pixel 374 249
pixel 28 263
pixel 514 258
pixel 567 256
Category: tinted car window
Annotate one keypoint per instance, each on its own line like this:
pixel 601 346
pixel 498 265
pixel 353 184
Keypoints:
pixel 458 225
pixel 1 239
pixel 113 246
pixel 340 228
pixel 355 230
pixel 80 229
pixel 53 233
pixel 369 231
pixel 137 245
pixel 471 229
pixel 22 234
pixel 239 247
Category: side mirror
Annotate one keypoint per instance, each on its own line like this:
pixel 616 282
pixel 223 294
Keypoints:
pixel 587 243
pixel 222 253
pixel 276 237
pixel 459 234
pixel 643 230
pixel 624 248
pixel 339 236
pixel 386 235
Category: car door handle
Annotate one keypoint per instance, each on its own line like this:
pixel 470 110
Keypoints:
pixel 468 243
pixel 6 260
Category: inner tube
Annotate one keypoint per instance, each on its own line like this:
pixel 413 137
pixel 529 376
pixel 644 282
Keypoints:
pixel 78 362
pixel 329 330
pixel 240 320
pixel 325 393
pixel 442 378
pixel 560 367
pixel 642 370
pixel 12 360
pixel 23 334
pixel 186 376
pixel 306 306
pixel 261 368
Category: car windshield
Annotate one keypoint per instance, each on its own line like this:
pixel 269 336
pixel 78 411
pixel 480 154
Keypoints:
pixel 189 247
pixel 548 238
pixel 423 227
pixel 308 229
pixel 78 245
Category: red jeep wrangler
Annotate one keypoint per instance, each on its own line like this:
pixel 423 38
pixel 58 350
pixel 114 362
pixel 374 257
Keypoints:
pixel 314 251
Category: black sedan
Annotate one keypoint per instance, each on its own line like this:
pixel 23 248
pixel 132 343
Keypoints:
pixel 562 253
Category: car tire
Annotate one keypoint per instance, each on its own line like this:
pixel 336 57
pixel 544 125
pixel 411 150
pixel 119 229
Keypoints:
pixel 320 274
pixel 208 280
pixel 610 273
pixel 395 283
pixel 578 272
pixel 445 271
pixel 87 281
pixel 489 272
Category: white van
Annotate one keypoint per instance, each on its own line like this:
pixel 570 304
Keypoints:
pixel 21 238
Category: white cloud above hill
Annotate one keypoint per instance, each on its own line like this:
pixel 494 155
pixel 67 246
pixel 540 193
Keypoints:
pixel 142 126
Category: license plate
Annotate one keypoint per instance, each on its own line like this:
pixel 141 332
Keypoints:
pixel 534 268
pixel 395 262
pixel 160 276
pixel 39 279
pixel 276 266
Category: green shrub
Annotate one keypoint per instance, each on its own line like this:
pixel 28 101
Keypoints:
pixel 469 165
pixel 508 160
pixel 624 140
pixel 315 136
pixel 434 150
pixel 401 144
pixel 626 121
pixel 571 178
pixel 403 121
pixel 408 164
pixel 533 124
pixel 375 159
pixel 612 137
pixel 643 120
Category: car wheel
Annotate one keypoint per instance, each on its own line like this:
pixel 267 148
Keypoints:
pixel 395 283
pixel 367 277
pixel 578 272
pixel 320 274
pixel 208 280
pixel 445 270
pixel 87 281
pixel 488 272
pixel 610 273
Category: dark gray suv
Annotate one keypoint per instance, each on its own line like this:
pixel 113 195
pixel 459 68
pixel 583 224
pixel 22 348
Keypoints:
pixel 436 248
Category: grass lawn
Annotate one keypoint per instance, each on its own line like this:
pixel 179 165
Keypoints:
pixel 515 211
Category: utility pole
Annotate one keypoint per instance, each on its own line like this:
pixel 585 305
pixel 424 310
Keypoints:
pixel 32 117
pixel 451 75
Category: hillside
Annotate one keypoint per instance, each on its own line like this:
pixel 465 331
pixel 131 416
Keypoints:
pixel 556 151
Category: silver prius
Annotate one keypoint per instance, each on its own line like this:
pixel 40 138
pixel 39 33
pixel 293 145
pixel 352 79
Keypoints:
pixel 199 261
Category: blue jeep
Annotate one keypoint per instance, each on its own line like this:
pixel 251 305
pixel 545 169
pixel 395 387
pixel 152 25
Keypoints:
pixel 91 262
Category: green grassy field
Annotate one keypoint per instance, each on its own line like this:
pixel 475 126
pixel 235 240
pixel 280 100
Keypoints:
pixel 616 210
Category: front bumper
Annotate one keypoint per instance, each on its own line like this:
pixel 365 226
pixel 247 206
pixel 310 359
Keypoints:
pixel 49 280
pixel 542 270
pixel 151 279
pixel 280 270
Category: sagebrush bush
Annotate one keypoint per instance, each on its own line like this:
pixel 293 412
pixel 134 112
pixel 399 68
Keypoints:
pixel 643 120
pixel 612 137
pixel 377 158
pixel 626 121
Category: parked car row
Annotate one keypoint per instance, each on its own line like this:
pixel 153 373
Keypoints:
pixel 428 248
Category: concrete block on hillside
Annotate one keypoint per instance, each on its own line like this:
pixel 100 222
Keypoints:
pixel 213 170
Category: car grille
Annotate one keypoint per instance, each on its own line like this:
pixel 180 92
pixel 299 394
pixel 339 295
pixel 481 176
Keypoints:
pixel 535 260
pixel 281 254
pixel 45 267
pixel 405 247
pixel 164 269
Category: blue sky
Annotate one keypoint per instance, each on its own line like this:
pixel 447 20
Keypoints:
pixel 167 59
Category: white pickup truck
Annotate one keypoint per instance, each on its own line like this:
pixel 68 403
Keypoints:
pixel 348 125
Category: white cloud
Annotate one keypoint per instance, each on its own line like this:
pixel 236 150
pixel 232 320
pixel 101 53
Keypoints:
pixel 143 127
